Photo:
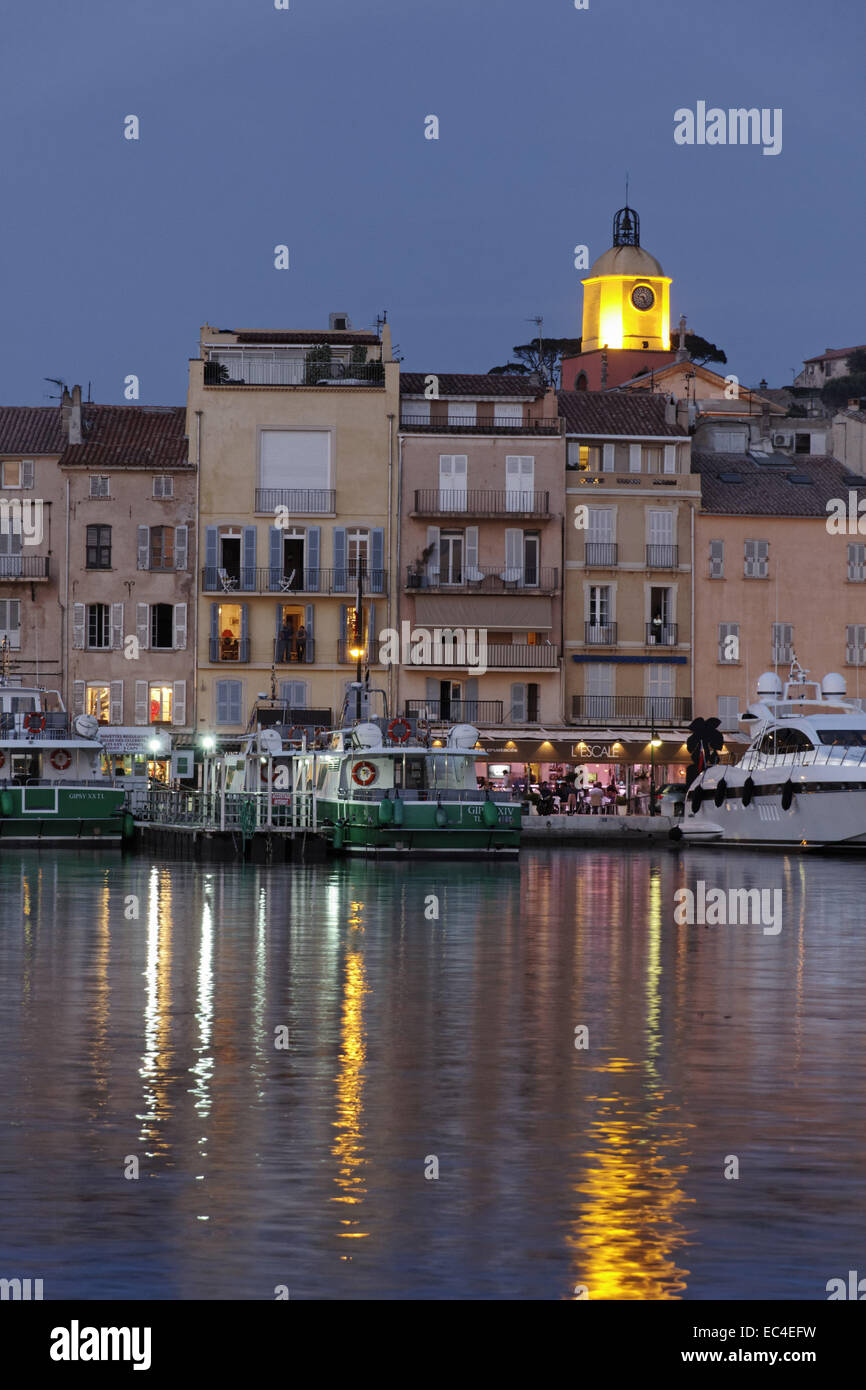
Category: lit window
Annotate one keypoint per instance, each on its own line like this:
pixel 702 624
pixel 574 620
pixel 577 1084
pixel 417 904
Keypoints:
pixel 97 702
pixel 11 474
pixel 160 704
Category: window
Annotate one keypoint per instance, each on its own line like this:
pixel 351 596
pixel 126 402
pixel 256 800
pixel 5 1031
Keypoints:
pixel 357 552
pixel 729 711
pixel 531 543
pixel 729 643
pixel 451 557
pixel 717 559
pixel 295 459
pixel 11 474
pixel 652 459
pixel 163 485
pixel 97 701
pixel 756 559
pixel 162 626
pixel 802 444
pixel 857 563
pixel 10 553
pixel 660 691
pixel 729 441
pixel 452 482
pixel 783 643
pixel 855 644
pixel 598 701
pixel 462 412
pixel 600 606
pixel 99 547
pixel 587 458
pixel 507 413
pixel 524 703
pixel 229 702
pixel 99 485
pixel 162 547
pixel 634 458
pixel 229 632
pixel 160 702
pixel 415 413
pixel 519 482
pixel 10 622
pixel 670 463
pixel 98 625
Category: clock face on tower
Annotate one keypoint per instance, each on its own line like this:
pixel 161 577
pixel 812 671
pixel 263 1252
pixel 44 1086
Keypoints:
pixel 642 297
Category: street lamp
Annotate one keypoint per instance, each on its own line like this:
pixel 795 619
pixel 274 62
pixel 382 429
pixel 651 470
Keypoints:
pixel 654 744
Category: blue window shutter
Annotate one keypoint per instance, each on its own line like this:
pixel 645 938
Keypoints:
pixel 211 556
pixel 215 633
pixel 309 616
pixel 275 556
pixel 222 702
pixel 377 550
pixel 235 711
pixel 248 558
pixel 279 618
pixel 311 578
pixel 299 694
pixel 340 559
pixel 470 704
pixel 244 653
pixel 372 654
pixel 344 618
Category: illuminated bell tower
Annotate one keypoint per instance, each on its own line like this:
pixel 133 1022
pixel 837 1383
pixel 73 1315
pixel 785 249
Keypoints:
pixel 626 295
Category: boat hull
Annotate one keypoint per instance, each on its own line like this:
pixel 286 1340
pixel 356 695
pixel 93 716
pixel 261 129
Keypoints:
pixel 463 835
pixel 825 814
pixel 60 814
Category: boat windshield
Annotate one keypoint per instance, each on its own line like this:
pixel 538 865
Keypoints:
pixel 843 738
pixel 434 772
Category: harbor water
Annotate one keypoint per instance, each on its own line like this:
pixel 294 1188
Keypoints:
pixel 430 1080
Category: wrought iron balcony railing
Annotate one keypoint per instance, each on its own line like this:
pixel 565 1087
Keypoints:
pixel 662 557
pixel 601 554
pixel 661 634
pixel 485 579
pixel 277 580
pixel 456 711
pixel 599 634
pixel 23 567
pixel 481 502
pixel 475 424
pixel 299 501
pixel 631 709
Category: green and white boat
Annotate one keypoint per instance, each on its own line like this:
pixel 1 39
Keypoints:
pixel 382 788
pixel 52 785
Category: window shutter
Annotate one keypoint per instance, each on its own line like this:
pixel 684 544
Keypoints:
pixel 432 696
pixel 179 635
pixel 433 561
pixel 472 552
pixel 763 558
pixel 340 559
pixel 518 702
pixel 77 697
pixel 244 653
pixel 115 709
pixel 513 556
pixel 670 464
pixel 279 617
pixel 141 709
pixel 717 559
pixel 309 614
pixel 634 458
pixel 608 458
pixel 235 696
pixel 470 699
pixel 855 644
pixel 248 558
pixel 857 562
pixel 181 547
pixel 726 630
pixel 178 703
pixel 275 556
pixel 27 473
pixel 222 702
pixel 211 556
pixel 144 547
pixel 377 550
pixel 142 625
pixel 372 653
pixel 117 626
pixel 311 578
pixel 344 620
pixel 157 485
pixel 299 694
pixel 78 619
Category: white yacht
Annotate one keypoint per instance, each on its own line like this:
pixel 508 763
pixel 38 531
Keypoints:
pixel 802 781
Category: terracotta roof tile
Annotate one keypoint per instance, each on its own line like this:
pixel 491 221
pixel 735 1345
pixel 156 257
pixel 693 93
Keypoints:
pixel 462 384
pixel 30 429
pixel 766 489
pixel 616 413
pixel 129 436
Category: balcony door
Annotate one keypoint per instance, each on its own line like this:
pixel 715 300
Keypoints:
pixel 10 553
pixel 453 470
pixel 660 692
pixel 598 682
pixel 519 482
pixel 660 615
pixel 600 607
pixel 230 557
pixel 451 557
pixel 293 561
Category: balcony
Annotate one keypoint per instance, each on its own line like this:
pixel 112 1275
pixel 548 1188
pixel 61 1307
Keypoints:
pixel 475 424
pixel 517 656
pixel 229 650
pixel 631 709
pixel 599 634
pixel 486 579
pixel 248 368
pixel 661 634
pixel 456 711
pixel 662 557
pixel 345 647
pixel 299 501
pixel 601 554
pixel 23 568
pixel 264 580
pixel 480 502
pixel 296 652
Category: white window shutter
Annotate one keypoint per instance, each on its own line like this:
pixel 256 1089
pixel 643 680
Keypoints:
pixel 518 703
pixel 117 626
pixel 717 559
pixel 433 560
pixel 471 551
pixel 115 714
pixel 141 710
pixel 608 461
pixel 142 625
pixel 181 547
pixel 179 627
pixel 513 550
pixel 634 458
pixel 77 697
pixel 178 703
pixel 27 473
pixel 143 544
pixel 670 464
pixel 78 620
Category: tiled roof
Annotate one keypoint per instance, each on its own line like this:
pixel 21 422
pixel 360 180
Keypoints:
pixel 616 413
pixel 833 354
pixel 30 429
pixel 459 384
pixel 130 435
pixel 766 490
pixel 312 336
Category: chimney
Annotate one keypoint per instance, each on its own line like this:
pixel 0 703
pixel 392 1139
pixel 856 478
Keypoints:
pixel 671 410
pixel 70 408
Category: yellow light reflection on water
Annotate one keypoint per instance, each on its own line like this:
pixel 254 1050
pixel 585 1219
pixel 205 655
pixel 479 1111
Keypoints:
pixel 348 1146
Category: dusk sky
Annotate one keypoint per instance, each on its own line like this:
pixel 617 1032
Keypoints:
pixel 306 127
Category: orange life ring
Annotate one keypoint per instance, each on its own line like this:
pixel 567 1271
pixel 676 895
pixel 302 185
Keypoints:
pixel 34 722
pixel 364 774
pixel 61 759
pixel 403 737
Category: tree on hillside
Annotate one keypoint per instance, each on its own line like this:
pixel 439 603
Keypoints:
pixel 542 357
pixel 857 362
pixel 701 351
pixel 840 389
